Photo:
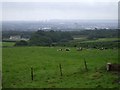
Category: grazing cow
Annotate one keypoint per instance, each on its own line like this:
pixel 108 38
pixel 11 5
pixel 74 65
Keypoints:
pixel 67 49
pixel 113 67
pixel 59 49
pixel 79 49
pixel 102 48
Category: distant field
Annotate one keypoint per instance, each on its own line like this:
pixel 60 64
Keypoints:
pixel 18 61
pixel 103 40
pixel 8 43
pixel 79 37
pixel 76 39
pixel 84 39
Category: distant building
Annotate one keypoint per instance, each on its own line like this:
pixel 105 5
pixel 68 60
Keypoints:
pixel 46 28
pixel 16 37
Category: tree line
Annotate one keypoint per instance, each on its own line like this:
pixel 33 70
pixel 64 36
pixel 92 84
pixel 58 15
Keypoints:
pixel 63 38
pixel 47 38
pixel 100 33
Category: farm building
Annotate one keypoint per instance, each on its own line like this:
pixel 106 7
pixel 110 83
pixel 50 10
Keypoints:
pixel 16 37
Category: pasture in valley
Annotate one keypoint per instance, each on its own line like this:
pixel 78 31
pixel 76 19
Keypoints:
pixel 17 63
pixel 60 45
pixel 53 67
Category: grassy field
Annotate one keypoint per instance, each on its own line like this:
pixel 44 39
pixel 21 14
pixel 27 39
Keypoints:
pixel 103 40
pixel 7 44
pixel 0 65
pixel 84 39
pixel 17 63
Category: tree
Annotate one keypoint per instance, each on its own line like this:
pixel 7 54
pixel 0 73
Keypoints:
pixel 21 43
pixel 46 38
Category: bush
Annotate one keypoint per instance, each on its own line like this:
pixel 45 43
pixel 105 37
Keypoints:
pixel 47 38
pixel 21 43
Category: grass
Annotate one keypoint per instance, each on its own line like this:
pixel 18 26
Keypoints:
pixel 80 38
pixel 7 44
pixel 0 66
pixel 103 40
pixel 17 62
pixel 84 39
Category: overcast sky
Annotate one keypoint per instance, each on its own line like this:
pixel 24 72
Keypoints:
pixel 59 9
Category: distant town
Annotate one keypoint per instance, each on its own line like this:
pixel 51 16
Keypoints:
pixel 62 25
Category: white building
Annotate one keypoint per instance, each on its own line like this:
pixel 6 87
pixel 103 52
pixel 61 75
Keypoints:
pixel 16 37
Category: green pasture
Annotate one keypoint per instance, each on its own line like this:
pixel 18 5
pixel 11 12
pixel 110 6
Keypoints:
pixel 84 39
pixel 7 44
pixel 103 40
pixel 0 65
pixel 17 63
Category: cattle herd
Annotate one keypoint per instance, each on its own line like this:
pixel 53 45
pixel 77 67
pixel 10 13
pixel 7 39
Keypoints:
pixel 77 49
pixel 68 49
pixel 109 66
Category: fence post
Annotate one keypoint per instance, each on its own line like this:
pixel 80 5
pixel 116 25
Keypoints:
pixel 32 77
pixel 85 65
pixel 60 69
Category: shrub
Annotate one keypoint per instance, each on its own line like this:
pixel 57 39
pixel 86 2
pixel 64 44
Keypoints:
pixel 21 43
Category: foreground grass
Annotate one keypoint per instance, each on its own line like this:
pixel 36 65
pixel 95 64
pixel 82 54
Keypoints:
pixel 0 66
pixel 18 61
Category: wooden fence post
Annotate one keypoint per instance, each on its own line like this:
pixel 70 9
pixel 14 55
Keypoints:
pixel 32 77
pixel 85 65
pixel 60 69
